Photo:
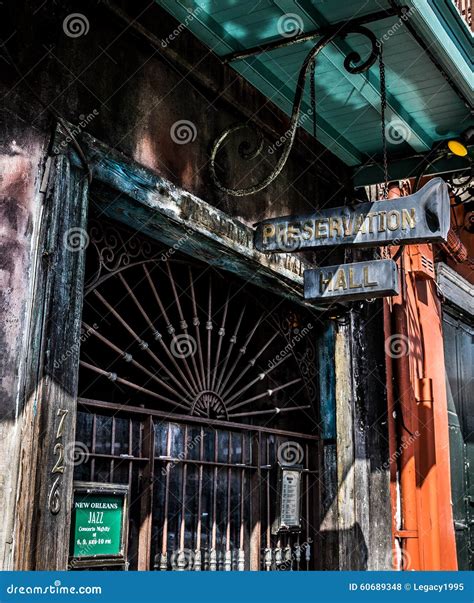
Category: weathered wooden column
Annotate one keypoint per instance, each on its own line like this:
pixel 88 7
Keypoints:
pixel 46 472
pixel 363 493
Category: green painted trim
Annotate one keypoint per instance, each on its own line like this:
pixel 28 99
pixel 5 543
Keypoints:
pixel 443 42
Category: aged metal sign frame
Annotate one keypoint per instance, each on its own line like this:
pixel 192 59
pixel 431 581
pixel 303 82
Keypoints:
pixel 289 499
pixel 421 217
pixel 347 282
pixel 101 489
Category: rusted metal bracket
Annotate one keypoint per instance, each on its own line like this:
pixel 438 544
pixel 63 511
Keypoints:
pixel 353 63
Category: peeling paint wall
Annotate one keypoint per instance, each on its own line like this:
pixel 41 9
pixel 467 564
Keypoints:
pixel 21 156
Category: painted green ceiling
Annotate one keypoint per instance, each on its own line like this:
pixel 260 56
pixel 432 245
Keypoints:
pixel 422 106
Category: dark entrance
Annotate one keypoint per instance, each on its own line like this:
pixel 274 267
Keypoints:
pixel 195 389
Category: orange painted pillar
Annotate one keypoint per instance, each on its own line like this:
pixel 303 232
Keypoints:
pixel 419 436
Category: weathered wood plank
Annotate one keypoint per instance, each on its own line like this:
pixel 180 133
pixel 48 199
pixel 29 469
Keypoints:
pixel 134 195
pixel 327 394
pixel 45 516
pixel 372 503
pixel 346 525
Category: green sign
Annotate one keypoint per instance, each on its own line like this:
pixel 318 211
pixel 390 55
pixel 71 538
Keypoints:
pixel 97 524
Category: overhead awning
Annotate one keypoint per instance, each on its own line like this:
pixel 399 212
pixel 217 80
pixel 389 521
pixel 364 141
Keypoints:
pixel 427 48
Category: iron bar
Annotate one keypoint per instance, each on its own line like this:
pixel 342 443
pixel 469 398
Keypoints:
pixel 157 335
pixel 305 479
pixel 128 358
pixel 94 436
pixel 241 553
pixel 143 345
pixel 228 557
pixel 196 324
pixel 177 460
pixel 213 551
pixel 232 342
pixel 221 334
pixel 258 378
pixel 102 455
pixel 209 334
pixel 115 377
pixel 198 555
pixel 164 537
pixel 267 493
pixel 269 392
pixel 182 526
pixel 112 447
pixel 274 411
pixel 242 351
pixel 184 326
pixel 352 63
pixel 216 423
pixel 130 449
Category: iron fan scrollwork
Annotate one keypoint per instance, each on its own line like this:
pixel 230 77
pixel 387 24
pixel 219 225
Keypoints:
pixel 178 333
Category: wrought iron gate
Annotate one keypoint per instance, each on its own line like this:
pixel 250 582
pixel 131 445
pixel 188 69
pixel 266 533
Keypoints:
pixel 194 394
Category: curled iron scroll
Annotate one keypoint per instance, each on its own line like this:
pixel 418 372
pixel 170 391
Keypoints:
pixel 353 63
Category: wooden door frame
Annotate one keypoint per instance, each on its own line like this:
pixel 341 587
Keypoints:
pixel 134 195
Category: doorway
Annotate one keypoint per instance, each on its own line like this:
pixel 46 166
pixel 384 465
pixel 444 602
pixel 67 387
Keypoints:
pixel 197 390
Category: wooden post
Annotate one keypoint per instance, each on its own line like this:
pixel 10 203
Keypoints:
pixel 345 450
pixel 46 473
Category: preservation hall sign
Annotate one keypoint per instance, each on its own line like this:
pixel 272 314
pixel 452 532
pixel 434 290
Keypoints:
pixel 421 217
pixel 360 280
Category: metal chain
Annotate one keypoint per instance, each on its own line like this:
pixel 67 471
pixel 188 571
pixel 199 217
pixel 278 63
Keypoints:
pixel 383 107
pixel 313 95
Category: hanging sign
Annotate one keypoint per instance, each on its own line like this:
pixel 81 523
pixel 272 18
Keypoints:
pixel 360 280
pixel 98 524
pixel 421 217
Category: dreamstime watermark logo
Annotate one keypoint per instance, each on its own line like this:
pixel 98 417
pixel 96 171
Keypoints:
pixel 398 558
pixel 290 25
pixel 294 556
pixel 183 131
pixel 182 560
pixel 406 14
pixel 290 345
pixel 394 457
pixel 182 26
pixel 288 243
pixel 74 349
pixel 397 131
pixel 53 589
pixel 76 239
pixel 183 346
pixel 287 135
pixel 179 243
pixel 397 346
pixel 290 453
pixel 76 25
pixel 72 133
pixel 190 444
pixel 76 453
